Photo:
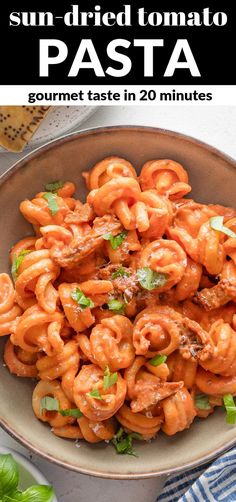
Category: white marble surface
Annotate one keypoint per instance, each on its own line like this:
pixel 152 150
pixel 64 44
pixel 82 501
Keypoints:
pixel 214 125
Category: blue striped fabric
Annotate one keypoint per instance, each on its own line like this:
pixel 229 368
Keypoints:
pixel 213 482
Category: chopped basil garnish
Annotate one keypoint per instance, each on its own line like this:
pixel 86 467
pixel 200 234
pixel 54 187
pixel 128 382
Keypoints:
pixel 217 223
pixel 95 394
pixel 123 442
pixel 54 186
pixel 157 360
pixel 115 240
pixel 150 279
pixel 51 199
pixel 136 435
pixel 17 261
pixel 78 296
pixel 120 272
pixel 202 402
pixel 49 404
pixel 71 412
pixel 52 404
pixel 109 378
pixel 230 408
pixel 116 306
pixel 9 480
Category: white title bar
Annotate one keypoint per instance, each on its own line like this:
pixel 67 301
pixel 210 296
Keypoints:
pixel 117 95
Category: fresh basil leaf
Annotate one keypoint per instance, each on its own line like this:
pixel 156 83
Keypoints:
pixel 95 394
pixel 157 360
pixel 136 435
pixel 149 279
pixel 83 301
pixel 37 493
pixel 123 442
pixel 107 237
pixel 49 404
pixel 115 240
pixel 230 408
pixel 17 261
pixel 54 186
pixel 9 474
pixel 125 446
pixel 119 434
pixel 202 402
pixel 116 306
pixel 73 412
pixel 51 199
pixel 120 272
pixel 217 223
pixel 109 378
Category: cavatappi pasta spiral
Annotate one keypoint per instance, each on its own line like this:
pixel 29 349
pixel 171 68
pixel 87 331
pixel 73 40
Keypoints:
pixel 123 308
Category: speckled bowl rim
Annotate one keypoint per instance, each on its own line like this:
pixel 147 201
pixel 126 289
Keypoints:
pixel 3 178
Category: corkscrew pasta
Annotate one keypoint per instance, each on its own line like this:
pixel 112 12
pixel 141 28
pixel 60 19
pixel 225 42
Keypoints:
pixel 123 308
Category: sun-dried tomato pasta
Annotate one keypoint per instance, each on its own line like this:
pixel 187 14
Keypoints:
pixel 123 307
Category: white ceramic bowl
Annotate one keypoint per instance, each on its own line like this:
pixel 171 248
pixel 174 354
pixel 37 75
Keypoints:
pixel 212 176
pixel 29 473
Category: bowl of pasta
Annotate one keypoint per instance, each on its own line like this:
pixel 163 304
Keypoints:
pixel 117 302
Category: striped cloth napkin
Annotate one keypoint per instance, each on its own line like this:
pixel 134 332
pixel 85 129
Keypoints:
pixel 213 482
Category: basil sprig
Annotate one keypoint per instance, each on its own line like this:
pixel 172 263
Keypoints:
pixel 149 279
pixel 9 480
pixel 115 240
pixel 9 475
pixel 36 493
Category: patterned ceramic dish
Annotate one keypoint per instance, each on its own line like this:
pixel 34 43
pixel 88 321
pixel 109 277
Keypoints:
pixel 60 120
pixel 212 176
